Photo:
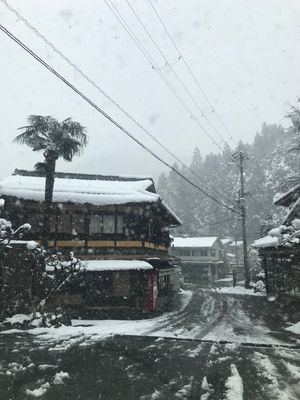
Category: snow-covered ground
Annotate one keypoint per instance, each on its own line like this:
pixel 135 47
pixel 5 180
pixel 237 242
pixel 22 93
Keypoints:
pixel 89 331
pixel 294 328
pixel 239 290
pixel 58 362
pixel 227 314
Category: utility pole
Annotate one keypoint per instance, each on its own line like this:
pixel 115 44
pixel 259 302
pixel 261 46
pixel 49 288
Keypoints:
pixel 240 157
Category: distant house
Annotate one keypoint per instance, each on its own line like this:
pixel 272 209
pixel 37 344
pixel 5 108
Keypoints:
pixel 119 225
pixel 234 256
pixel 202 258
pixel 280 249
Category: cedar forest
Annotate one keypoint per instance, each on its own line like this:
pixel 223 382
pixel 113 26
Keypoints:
pixel 271 167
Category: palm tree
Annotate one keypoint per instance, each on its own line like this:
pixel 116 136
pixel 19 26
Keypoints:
pixel 56 139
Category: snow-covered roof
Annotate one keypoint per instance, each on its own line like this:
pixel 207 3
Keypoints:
pixel 172 212
pixel 230 255
pixel 266 241
pixel 293 212
pixel 116 265
pixel 285 199
pixel 194 241
pixel 96 192
pixel 237 243
pixel 226 241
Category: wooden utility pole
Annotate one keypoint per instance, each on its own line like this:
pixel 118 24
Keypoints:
pixel 240 156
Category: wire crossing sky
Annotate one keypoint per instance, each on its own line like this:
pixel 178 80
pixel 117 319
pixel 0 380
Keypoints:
pixel 85 98
pixel 77 69
pixel 241 53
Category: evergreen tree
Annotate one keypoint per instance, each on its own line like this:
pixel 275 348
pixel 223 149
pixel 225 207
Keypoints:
pixel 269 164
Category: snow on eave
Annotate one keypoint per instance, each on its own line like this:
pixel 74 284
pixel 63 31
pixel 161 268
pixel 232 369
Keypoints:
pixel 281 199
pixel 80 191
pixel 200 241
pixel 115 265
pixel 178 221
pixel 266 241
pixel 289 217
pixel 226 241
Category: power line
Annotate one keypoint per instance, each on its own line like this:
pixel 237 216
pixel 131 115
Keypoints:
pixel 191 72
pixel 91 103
pixel 156 68
pixel 96 86
pixel 174 72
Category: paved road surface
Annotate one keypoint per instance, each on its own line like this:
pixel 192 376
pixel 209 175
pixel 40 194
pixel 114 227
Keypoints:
pixel 168 367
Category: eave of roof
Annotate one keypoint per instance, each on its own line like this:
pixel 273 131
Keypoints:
pixel 98 190
pixel 292 213
pixel 199 242
pixel 266 241
pixel 285 199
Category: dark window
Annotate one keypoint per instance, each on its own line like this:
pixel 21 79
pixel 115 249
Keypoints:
pixel 120 283
pixel 120 224
pixel 64 223
pixel 102 223
pixel 35 221
pixel 108 224
pixel 199 253
pixel 183 252
pixel 77 224
pixel 96 224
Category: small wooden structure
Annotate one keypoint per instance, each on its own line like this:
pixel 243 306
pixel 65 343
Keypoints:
pixel 202 258
pixel 102 219
pixel 282 268
pixel 106 285
pixel 280 250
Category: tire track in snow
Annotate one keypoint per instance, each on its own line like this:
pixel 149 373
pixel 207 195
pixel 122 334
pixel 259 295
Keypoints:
pixel 215 322
pixel 236 324
pixel 188 322
pixel 275 384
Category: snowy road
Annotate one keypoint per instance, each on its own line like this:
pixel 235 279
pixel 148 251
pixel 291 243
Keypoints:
pixel 167 357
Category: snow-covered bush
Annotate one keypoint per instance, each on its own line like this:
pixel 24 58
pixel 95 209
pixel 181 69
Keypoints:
pixel 59 271
pixel 258 286
pixel 34 320
pixel 42 275
pixel 7 233
pixel 256 272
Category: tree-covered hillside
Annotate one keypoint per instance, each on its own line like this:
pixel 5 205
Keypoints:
pixel 270 168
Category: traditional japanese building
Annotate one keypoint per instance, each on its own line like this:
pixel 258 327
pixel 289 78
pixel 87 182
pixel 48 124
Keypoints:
pixel 202 258
pixel 280 249
pixel 102 219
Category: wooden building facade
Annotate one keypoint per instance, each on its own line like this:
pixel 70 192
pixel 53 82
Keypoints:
pixel 280 249
pixel 102 218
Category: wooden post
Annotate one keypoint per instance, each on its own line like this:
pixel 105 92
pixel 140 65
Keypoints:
pixel 243 216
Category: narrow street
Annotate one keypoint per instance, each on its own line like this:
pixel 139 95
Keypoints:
pixel 174 356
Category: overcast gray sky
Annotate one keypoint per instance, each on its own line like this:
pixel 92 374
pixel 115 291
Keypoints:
pixel 245 54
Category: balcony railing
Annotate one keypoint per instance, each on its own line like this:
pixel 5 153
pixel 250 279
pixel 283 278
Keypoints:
pixel 114 244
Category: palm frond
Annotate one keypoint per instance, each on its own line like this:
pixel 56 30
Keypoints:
pixel 66 138
pixel 40 167
pixel 75 130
